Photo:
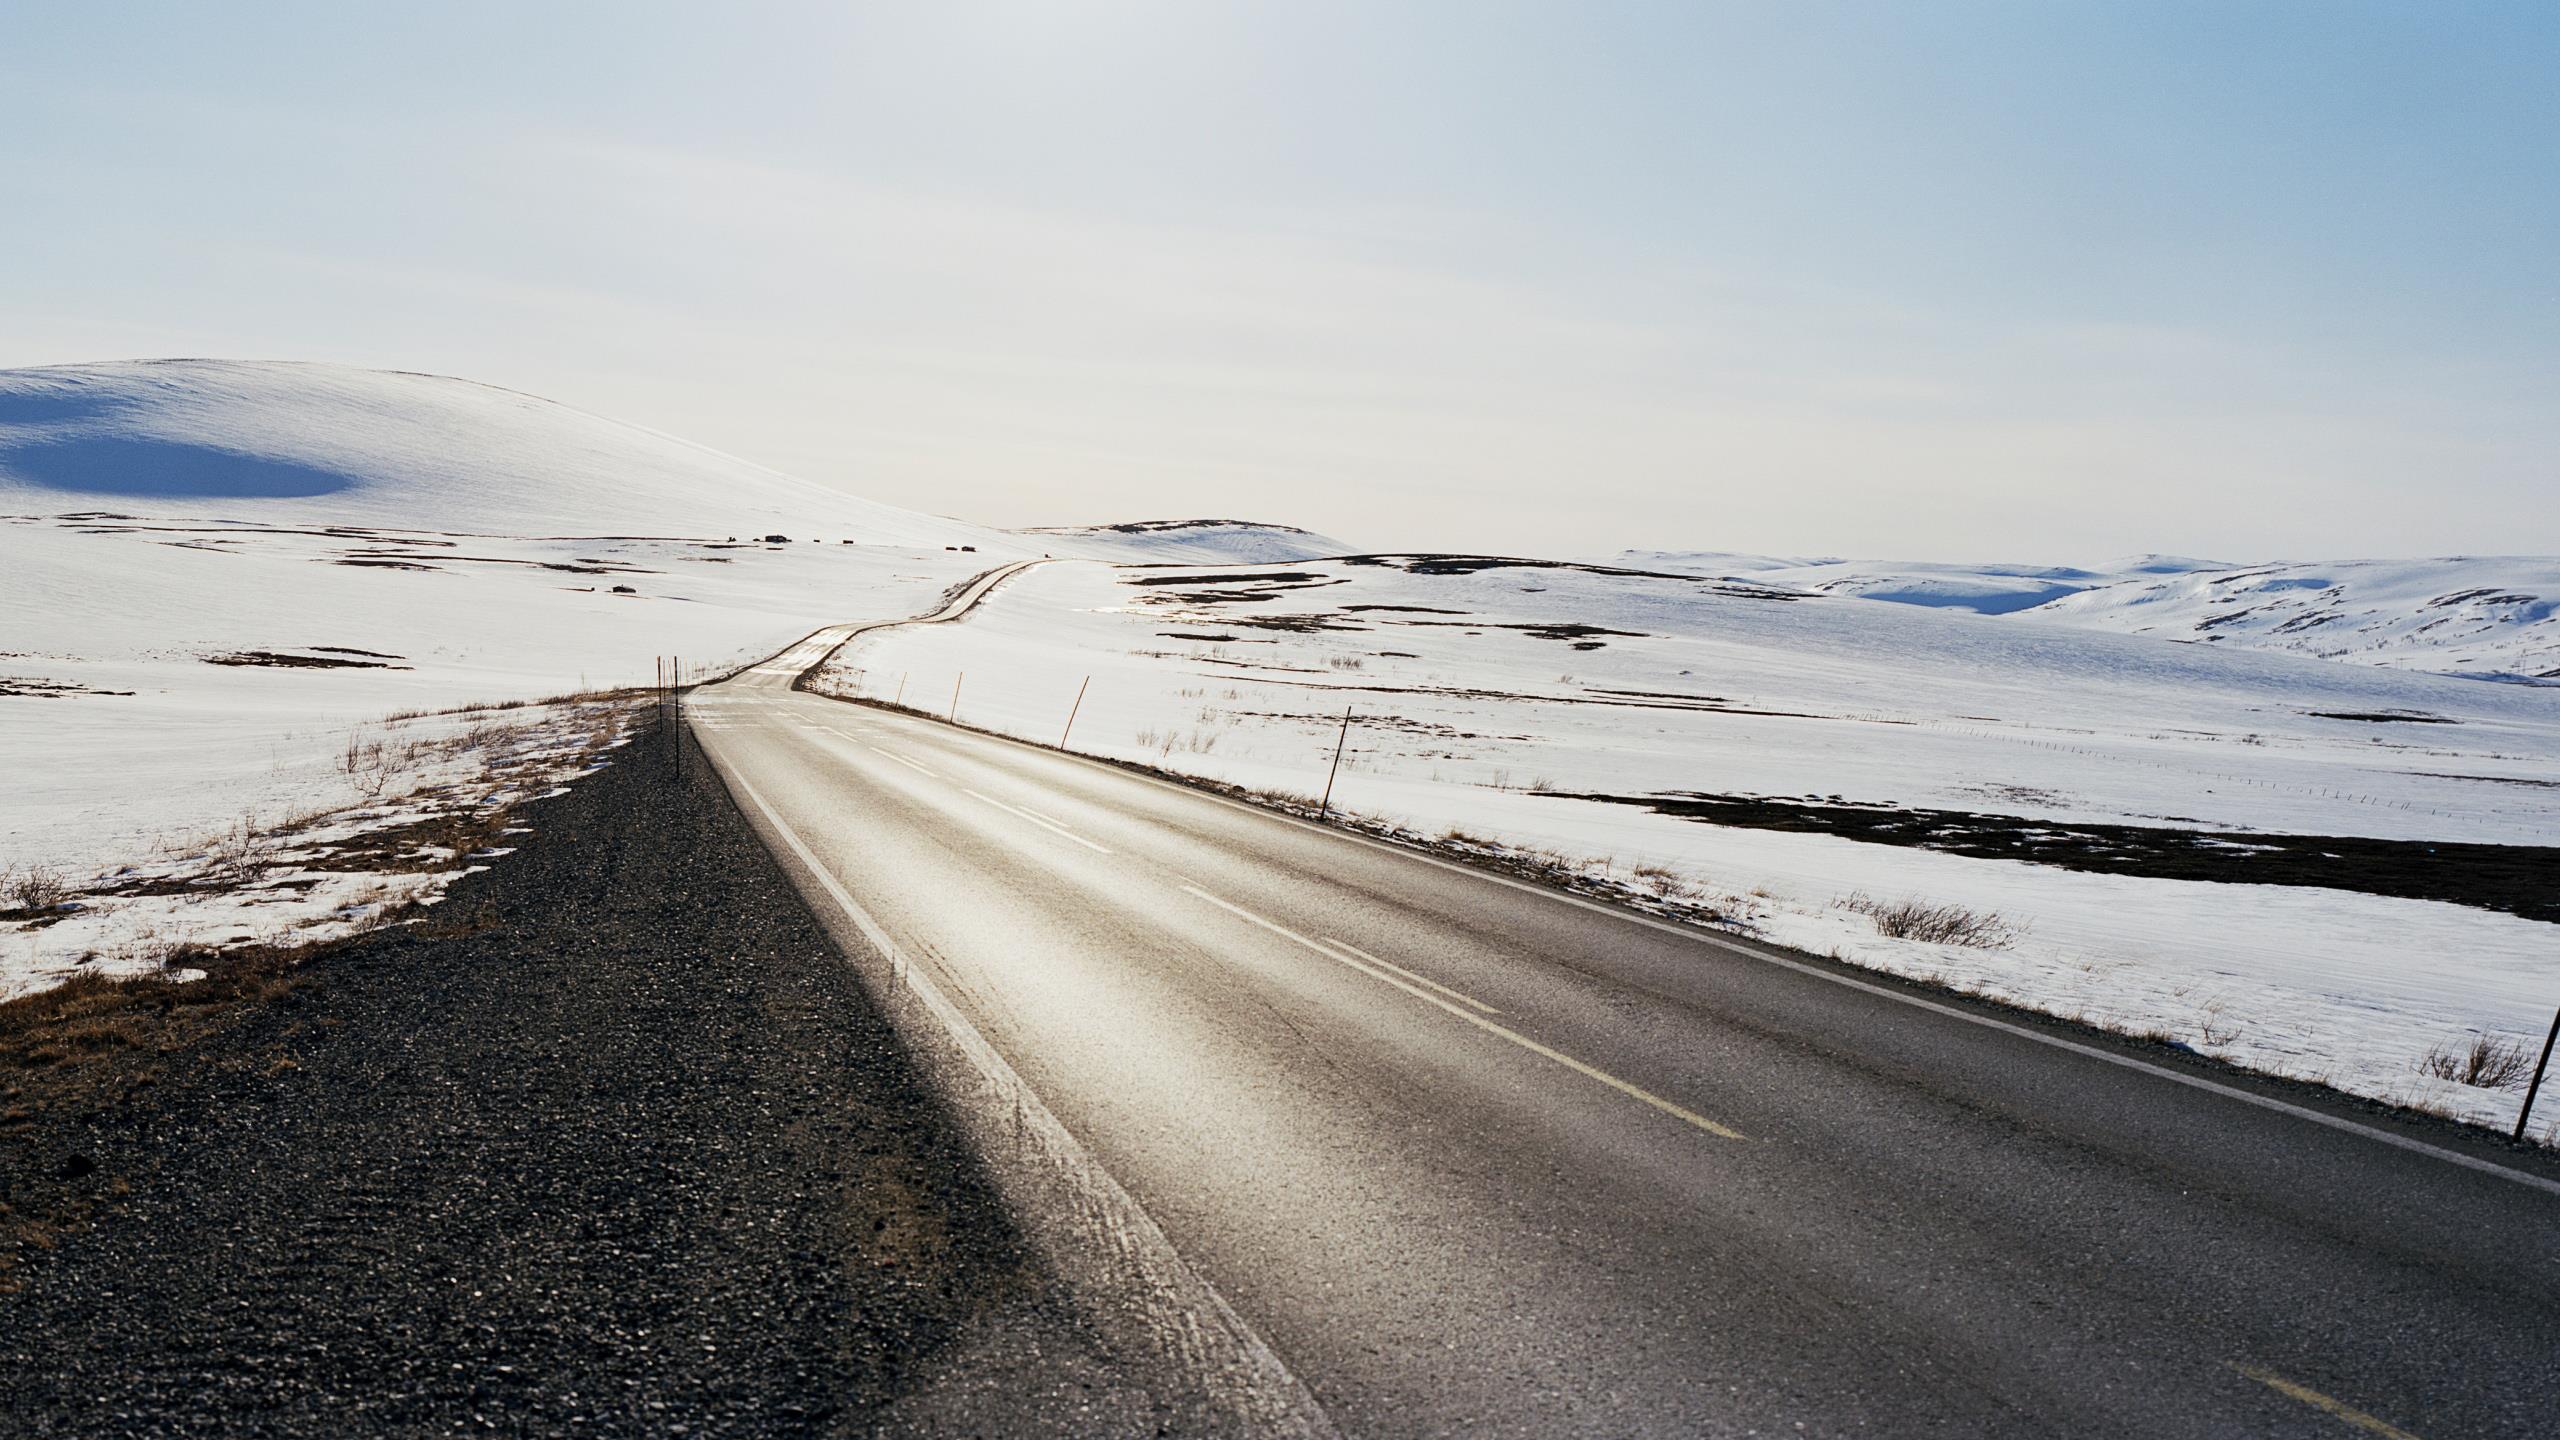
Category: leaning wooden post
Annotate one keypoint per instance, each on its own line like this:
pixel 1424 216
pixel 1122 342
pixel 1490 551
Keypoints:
pixel 1071 714
pixel 1325 806
pixel 2535 1088
pixel 954 713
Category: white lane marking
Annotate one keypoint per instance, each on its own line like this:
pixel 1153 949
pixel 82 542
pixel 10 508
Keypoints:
pixel 1695 936
pixel 1460 996
pixel 901 759
pixel 1515 1037
pixel 2125 1062
pixel 1036 820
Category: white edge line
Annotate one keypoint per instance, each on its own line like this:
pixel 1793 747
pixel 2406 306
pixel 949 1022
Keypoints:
pixel 1461 996
pixel 1275 1400
pixel 1016 810
pixel 1633 1091
pixel 901 759
pixel 2126 1062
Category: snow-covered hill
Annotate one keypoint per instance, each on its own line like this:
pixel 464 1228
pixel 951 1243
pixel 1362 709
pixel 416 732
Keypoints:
pixel 2494 618
pixel 1190 542
pixel 2477 617
pixel 329 445
pixel 218 578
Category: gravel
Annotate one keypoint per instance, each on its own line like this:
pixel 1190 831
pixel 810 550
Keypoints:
pixel 611 1144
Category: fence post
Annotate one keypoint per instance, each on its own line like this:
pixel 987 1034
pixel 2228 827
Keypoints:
pixel 954 712
pixel 901 697
pixel 2526 1113
pixel 1071 714
pixel 1325 806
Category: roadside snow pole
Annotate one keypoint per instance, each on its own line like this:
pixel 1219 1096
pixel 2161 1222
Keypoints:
pixel 1325 806
pixel 901 696
pixel 2539 1066
pixel 1071 714
pixel 954 713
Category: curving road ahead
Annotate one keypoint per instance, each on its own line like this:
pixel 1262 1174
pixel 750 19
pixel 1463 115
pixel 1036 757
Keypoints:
pixel 1477 1158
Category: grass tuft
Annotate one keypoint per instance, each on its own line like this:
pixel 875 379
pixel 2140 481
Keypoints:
pixel 2489 1062
pixel 1914 919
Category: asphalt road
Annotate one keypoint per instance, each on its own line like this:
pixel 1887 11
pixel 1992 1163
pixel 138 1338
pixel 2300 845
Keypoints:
pixel 1475 1158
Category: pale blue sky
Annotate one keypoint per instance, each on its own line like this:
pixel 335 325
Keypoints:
pixel 1947 280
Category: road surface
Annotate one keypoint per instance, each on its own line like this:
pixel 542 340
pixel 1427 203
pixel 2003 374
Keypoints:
pixel 1475 1158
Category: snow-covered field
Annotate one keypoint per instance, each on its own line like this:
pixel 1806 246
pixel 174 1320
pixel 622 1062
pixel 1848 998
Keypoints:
pixel 213 576
pixel 216 576
pixel 1493 699
pixel 239 604
pixel 2491 617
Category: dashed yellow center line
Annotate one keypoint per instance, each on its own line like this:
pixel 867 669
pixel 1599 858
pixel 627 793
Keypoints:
pixel 1636 1092
pixel 2370 1424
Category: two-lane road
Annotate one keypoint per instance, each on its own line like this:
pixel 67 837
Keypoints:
pixel 1476 1158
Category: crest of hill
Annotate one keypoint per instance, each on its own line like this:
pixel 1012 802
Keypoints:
pixel 288 443
pixel 1215 542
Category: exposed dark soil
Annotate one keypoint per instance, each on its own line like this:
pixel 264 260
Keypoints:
pixel 2518 879
pixel 611 1143
pixel 299 662
pixel 1273 577
pixel 2384 717
pixel 50 689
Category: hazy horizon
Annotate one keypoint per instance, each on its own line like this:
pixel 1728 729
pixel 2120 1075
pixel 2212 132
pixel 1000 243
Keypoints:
pixel 2034 284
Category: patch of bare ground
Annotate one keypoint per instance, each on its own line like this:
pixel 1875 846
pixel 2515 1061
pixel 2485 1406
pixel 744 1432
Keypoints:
pixel 50 689
pixel 434 806
pixel 286 660
pixel 88 1048
pixel 2518 879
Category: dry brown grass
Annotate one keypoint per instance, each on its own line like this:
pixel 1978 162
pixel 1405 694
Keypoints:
pixel 1913 919
pixel 32 889
pixel 88 1048
pixel 2489 1062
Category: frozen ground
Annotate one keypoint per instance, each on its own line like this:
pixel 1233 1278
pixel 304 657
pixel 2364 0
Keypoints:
pixel 1519 706
pixel 2493 617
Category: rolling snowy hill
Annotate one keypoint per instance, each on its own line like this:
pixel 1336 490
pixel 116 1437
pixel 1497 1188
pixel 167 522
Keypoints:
pixel 2487 618
pixel 2491 618
pixel 319 444
pixel 217 579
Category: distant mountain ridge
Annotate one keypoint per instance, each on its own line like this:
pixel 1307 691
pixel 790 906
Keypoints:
pixel 1248 542
pixel 2479 617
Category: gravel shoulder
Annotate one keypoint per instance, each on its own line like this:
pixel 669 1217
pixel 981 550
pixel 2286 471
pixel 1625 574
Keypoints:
pixel 611 1142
